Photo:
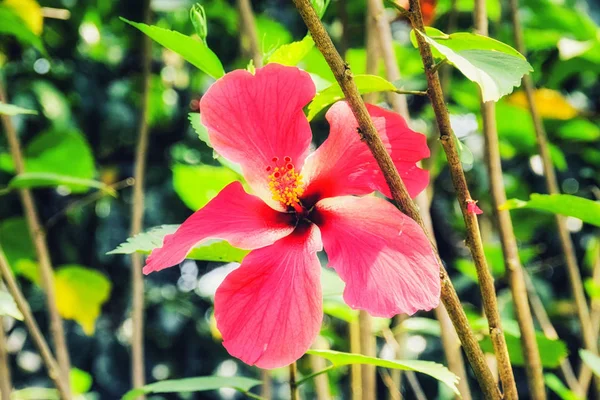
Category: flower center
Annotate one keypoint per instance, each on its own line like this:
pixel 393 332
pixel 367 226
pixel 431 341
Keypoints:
pixel 284 182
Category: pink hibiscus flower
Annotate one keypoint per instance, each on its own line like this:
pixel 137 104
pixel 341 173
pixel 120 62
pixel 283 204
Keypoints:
pixel 269 310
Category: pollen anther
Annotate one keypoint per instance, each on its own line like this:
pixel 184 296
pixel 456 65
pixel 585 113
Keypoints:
pixel 285 183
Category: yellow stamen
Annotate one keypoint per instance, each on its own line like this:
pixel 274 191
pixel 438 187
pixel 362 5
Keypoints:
pixel 286 185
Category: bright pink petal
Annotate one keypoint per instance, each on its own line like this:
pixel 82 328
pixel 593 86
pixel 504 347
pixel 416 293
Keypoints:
pixel 243 220
pixel 343 164
pixel 252 119
pixel 269 310
pixel 383 256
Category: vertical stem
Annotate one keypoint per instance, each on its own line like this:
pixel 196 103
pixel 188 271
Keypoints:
pixel 343 76
pixel 344 21
pixel 450 340
pixel 321 382
pixel 38 339
pixel 265 377
pixel 368 347
pixel 474 242
pixel 5 384
pixel 249 31
pixel 589 336
pixel 293 385
pixel 355 369
pixel 585 374
pixel 38 235
pixel 137 211
pixel 510 250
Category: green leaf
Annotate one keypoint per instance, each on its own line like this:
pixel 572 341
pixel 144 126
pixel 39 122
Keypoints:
pixel 552 352
pixel 580 130
pixel 192 50
pixel 365 84
pixel 81 381
pixel 291 54
pixel 8 306
pixel 591 359
pixel 80 294
pixel 16 241
pixel 31 180
pixel 200 384
pixel 572 206
pixel 196 185
pixel 556 385
pixel 12 24
pixel 210 250
pixel 435 370
pixel 496 67
pixel 35 393
pixel 420 325
pixel 9 109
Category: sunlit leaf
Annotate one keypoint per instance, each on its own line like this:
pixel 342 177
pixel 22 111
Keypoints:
pixel 9 109
pixel 8 306
pixel 196 185
pixel 80 294
pixel 549 103
pixel 291 54
pixel 209 250
pixel 435 370
pixel 572 206
pixel 192 50
pixel 35 393
pixel 271 34
pixel 580 130
pixel 466 6
pixel 591 360
pixel 55 106
pixel 11 23
pixel 419 325
pixel 365 84
pixel 16 241
pixel 189 385
pixel 496 67
pixel 32 180
pixel 202 132
pixel 81 381
pixel 30 12
pixel 559 388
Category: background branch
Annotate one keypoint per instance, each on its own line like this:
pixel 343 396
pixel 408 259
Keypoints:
pixel 344 78
pixel 38 236
pixel 249 33
pixel 5 383
pixel 510 250
pixel 137 213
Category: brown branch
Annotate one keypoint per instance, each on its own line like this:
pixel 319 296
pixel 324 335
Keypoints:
pixel 448 295
pixel 510 250
pixel 249 32
pixel 38 235
pixel 137 213
pixel 38 339
pixel 583 313
pixel 5 383
pixel 474 242
pixel 450 341
pixel 294 395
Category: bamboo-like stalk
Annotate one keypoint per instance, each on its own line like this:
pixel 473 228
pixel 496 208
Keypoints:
pixel 38 339
pixel 38 236
pixel 321 381
pixel 585 374
pixel 368 347
pixel 5 383
pixel 369 135
pixel 137 214
pixel 355 369
pixel 474 242
pixel 249 32
pixel 294 394
pixel 265 391
pixel 510 250
pixel 450 341
pixel 583 313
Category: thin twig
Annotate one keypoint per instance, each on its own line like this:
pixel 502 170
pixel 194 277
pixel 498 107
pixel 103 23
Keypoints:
pixel 585 374
pixel 390 382
pixel 315 374
pixel 474 242
pixel 450 340
pixel 589 336
pixel 344 78
pixel 137 213
pixel 249 32
pixel 368 347
pixel 38 339
pixel 318 364
pixel 294 395
pixel 510 250
pixel 355 370
pixel 38 235
pixel 5 383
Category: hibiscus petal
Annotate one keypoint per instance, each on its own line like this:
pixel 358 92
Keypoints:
pixel 253 118
pixel 243 220
pixel 343 164
pixel 383 256
pixel 269 310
